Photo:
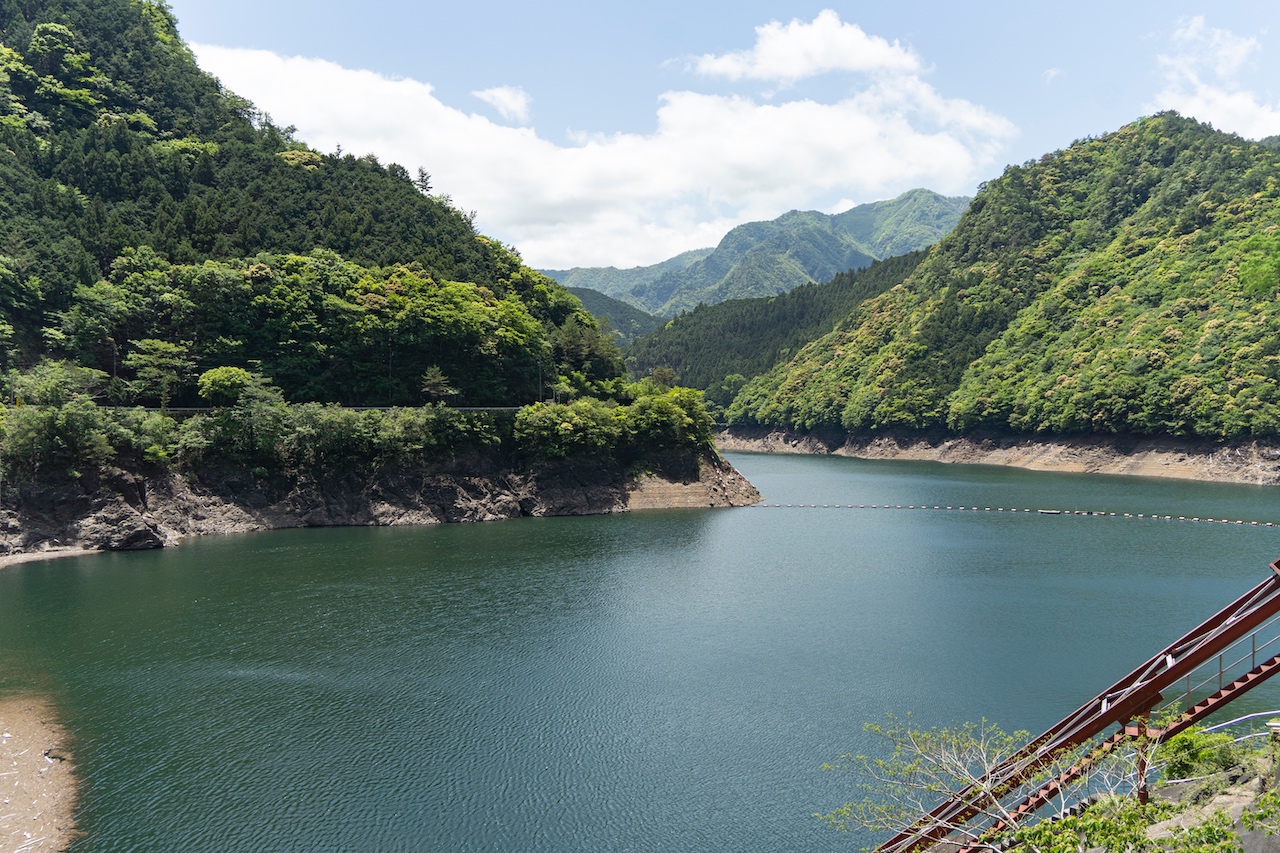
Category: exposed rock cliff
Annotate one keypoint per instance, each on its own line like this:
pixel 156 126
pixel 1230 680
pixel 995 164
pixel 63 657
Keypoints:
pixel 154 507
pixel 1252 462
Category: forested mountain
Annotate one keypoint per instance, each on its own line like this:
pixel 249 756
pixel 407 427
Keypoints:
pixel 141 202
pixel 768 258
pixel 162 242
pixel 1125 285
pixel 612 281
pixel 719 347
pixel 624 321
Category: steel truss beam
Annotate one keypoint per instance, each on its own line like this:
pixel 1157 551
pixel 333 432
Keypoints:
pixel 1130 699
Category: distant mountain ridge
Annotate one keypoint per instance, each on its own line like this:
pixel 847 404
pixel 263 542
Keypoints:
pixel 773 257
pixel 612 281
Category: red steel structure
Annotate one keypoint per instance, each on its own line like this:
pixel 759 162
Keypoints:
pixel 1229 638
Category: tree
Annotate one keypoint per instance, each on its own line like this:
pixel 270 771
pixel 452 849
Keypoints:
pixel 664 377
pixel 54 383
pixel 928 767
pixel 1196 752
pixel 159 367
pixel 584 427
pixel 223 385
pixel 67 82
pixel 52 49
pixel 54 425
pixel 724 393
pixel 436 385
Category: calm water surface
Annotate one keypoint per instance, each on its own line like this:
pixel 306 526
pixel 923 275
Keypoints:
pixel 659 681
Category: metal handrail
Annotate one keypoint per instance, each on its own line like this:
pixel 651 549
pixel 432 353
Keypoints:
pixel 1217 726
pixel 1249 604
pixel 1223 669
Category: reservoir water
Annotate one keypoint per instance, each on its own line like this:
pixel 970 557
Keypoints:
pixel 656 681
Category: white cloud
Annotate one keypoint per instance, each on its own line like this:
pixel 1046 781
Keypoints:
pixel 1202 80
pixel 1051 74
pixel 511 102
pixel 1226 52
pixel 626 198
pixel 786 53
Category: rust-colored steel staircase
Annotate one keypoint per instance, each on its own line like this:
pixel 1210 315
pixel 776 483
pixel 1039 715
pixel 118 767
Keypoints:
pixel 1185 669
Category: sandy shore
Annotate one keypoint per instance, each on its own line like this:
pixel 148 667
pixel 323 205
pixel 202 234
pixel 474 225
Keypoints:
pixel 1253 463
pixel 51 554
pixel 37 778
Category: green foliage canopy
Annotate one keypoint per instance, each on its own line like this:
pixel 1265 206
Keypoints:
pixel 141 201
pixel 654 422
pixel 1125 285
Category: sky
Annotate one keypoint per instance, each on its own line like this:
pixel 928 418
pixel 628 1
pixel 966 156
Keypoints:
pixel 595 134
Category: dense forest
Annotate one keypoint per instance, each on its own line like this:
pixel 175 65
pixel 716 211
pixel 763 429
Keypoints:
pixel 624 321
pixel 162 243
pixel 1127 284
pixel 719 347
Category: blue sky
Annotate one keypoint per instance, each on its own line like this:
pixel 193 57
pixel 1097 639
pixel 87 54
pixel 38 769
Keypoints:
pixel 590 134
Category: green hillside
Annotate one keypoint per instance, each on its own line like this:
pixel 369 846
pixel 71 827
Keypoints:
pixel 1125 285
pixel 718 347
pixel 625 321
pixel 142 202
pixel 767 258
pixel 162 242
pixel 914 220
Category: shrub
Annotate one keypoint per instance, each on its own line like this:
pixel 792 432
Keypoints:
pixel 554 430
pixel 64 439
pixel 1195 752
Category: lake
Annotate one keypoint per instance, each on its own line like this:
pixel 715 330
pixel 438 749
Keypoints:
pixel 654 681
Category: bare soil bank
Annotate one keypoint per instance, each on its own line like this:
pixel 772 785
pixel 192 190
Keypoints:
pixel 1255 463
pixel 37 779
pixel 153 508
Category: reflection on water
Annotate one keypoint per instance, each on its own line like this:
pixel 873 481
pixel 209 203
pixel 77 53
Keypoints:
pixel 652 681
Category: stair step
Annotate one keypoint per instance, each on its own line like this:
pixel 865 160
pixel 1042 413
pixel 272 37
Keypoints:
pixel 1135 697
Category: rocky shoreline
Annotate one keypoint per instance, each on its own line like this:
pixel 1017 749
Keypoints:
pixel 1252 463
pixel 156 507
